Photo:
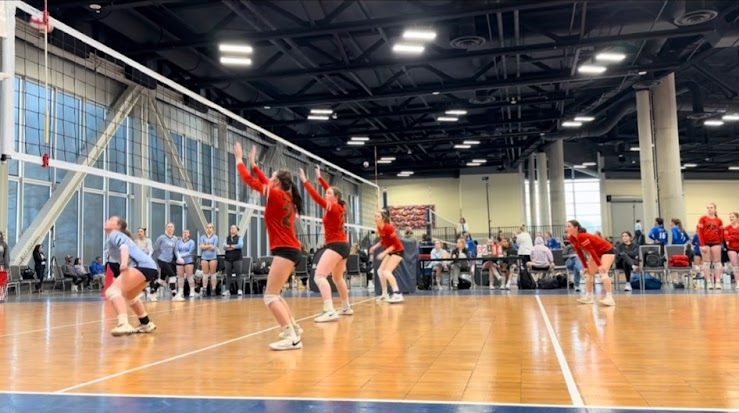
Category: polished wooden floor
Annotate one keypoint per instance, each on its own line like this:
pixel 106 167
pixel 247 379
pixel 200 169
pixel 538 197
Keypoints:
pixel 659 350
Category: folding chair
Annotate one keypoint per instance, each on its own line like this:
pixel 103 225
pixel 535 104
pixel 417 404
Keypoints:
pixel 301 269
pixel 672 250
pixel 659 271
pixel 353 267
pixel 260 271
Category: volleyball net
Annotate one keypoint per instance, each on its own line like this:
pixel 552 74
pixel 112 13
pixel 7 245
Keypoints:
pixel 94 134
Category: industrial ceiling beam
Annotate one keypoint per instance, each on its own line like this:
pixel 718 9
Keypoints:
pixel 451 127
pixel 462 86
pixel 525 100
pixel 354 26
pixel 571 41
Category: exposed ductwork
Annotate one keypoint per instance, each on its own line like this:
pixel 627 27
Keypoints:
pixel 695 103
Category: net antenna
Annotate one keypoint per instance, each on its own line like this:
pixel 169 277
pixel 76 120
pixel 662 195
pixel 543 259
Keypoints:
pixel 43 24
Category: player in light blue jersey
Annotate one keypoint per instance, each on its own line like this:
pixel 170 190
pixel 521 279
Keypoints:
pixel 135 269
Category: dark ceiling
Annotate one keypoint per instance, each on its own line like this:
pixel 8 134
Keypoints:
pixel 513 65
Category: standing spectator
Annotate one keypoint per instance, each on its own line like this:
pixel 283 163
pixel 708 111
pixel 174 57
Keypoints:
pixel 638 233
pixel 4 254
pixel 39 261
pixel 573 264
pixel 658 234
pixel 462 227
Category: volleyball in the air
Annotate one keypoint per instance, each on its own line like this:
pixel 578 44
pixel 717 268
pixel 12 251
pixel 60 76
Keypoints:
pixel 365 164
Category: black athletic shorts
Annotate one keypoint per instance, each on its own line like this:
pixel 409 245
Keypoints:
pixel 341 248
pixel 150 273
pixel 167 269
pixel 292 254
pixel 187 263
pixel 533 268
pixel 611 251
pixel 115 268
pixel 710 245
pixel 398 253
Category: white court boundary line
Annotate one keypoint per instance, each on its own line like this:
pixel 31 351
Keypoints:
pixel 577 400
pixel 183 355
pixel 102 320
pixel 399 401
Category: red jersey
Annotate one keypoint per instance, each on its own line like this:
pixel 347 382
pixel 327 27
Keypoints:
pixel 333 219
pixel 595 245
pixel 279 214
pixel 731 235
pixel 389 238
pixel 710 230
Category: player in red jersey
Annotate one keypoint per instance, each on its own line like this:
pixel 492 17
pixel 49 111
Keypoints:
pixel 711 237
pixel 390 257
pixel 731 235
pixel 283 201
pixel 601 256
pixel 333 259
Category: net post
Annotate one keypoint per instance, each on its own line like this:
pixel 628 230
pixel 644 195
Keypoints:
pixel 7 105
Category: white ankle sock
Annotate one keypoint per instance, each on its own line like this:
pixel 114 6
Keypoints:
pixel 328 305
pixel 122 319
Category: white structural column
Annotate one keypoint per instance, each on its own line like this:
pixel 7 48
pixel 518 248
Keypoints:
pixel 605 210
pixel 195 208
pixel 140 203
pixel 543 189
pixel 522 191
pixel 72 179
pixel 646 157
pixel 667 149
pixel 556 155
pixel 533 210
pixel 7 104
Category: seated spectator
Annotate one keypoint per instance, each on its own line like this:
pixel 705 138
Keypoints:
pixel 82 273
pixel 68 271
pixel 96 267
pixel 552 243
pixel 573 264
pixel 507 249
pixel 541 257
pixel 494 249
pixel 627 257
pixel 457 267
pixel 438 267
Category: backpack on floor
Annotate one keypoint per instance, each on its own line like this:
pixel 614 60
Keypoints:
pixel 526 281
pixel 548 283
pixel 650 282
pixel 424 281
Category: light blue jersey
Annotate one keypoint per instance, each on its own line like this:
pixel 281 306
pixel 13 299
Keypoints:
pixel 186 251
pixel 165 246
pixel 138 258
pixel 209 254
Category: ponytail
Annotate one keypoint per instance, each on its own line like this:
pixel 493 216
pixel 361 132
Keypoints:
pixel 286 184
pixel 297 199
pixel 338 195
